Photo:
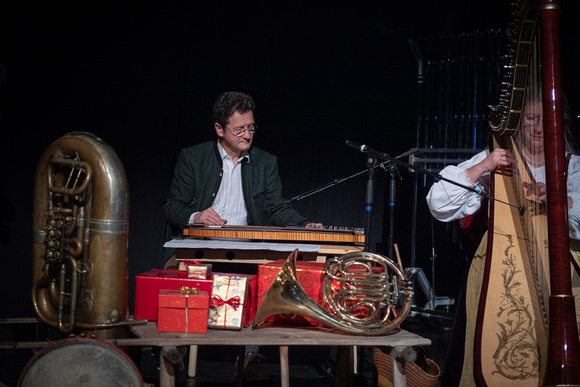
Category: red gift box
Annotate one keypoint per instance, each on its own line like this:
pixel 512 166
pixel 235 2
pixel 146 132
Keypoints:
pixel 148 285
pixel 183 312
pixel 310 274
pixel 251 299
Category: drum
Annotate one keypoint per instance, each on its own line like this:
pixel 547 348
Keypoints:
pixel 80 362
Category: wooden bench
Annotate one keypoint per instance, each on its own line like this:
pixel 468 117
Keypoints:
pixel 399 344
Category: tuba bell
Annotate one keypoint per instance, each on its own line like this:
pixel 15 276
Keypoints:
pixel 80 236
pixel 364 293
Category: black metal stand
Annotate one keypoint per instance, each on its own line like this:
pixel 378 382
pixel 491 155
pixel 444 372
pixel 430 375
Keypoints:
pixel 370 192
pixel 393 171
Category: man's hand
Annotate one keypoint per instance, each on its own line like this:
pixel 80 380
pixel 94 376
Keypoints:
pixel 210 217
pixel 314 225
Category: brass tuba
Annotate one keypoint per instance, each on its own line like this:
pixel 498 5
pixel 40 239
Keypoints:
pixel 80 236
pixel 361 299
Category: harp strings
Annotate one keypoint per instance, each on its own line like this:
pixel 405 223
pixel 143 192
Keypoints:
pixel 530 177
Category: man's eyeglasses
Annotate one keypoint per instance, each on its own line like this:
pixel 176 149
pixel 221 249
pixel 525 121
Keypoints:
pixel 240 130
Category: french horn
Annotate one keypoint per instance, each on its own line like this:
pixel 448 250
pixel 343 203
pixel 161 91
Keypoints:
pixel 364 293
pixel 80 236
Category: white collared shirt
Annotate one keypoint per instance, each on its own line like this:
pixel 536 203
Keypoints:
pixel 229 201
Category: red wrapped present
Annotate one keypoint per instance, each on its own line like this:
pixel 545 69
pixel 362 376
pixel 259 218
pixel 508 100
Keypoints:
pixel 310 274
pixel 251 304
pixel 183 310
pixel 148 285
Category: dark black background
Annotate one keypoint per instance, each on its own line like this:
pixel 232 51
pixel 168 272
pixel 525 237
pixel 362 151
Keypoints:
pixel 143 75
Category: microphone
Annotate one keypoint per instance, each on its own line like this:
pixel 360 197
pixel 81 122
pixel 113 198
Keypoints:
pixel 366 149
pixel 354 145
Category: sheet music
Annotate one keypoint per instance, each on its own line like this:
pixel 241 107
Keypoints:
pixel 240 245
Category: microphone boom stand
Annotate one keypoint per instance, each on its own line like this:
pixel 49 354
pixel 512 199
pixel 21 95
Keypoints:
pixel 372 165
pixel 436 177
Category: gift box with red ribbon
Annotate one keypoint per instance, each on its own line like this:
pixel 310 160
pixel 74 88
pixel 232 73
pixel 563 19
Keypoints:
pixel 183 310
pixel 226 304
pixel 148 285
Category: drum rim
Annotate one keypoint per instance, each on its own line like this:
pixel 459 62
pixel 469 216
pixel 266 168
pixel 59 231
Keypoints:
pixel 71 341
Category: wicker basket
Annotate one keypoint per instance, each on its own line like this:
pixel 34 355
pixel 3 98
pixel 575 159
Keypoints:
pixel 415 375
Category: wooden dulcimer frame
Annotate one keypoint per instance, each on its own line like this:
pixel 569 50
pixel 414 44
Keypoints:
pixel 267 233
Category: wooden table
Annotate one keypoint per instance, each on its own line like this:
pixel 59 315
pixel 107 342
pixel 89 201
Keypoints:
pixel 398 343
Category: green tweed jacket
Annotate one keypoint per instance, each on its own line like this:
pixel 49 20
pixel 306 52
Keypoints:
pixel 197 178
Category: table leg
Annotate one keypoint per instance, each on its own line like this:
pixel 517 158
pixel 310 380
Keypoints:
pixel 192 367
pixel 399 356
pixel 284 369
pixel 166 367
pixel 344 365
pixel 241 364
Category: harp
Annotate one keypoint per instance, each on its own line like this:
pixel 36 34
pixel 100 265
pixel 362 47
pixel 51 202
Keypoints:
pixel 526 332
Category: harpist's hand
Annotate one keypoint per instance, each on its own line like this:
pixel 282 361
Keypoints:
pixel 210 217
pixel 538 189
pixel 498 158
